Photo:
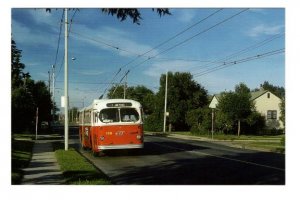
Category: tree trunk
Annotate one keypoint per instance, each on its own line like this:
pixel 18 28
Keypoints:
pixel 239 127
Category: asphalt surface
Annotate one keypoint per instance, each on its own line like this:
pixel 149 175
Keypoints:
pixel 173 161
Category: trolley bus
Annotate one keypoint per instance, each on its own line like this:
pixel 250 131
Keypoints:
pixel 111 124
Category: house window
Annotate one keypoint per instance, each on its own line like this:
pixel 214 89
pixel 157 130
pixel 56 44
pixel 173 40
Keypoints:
pixel 272 114
pixel 268 95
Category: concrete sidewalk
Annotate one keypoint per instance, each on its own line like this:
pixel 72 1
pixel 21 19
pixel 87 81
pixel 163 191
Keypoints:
pixel 43 168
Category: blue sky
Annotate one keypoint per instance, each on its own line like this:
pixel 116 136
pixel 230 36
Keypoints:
pixel 102 45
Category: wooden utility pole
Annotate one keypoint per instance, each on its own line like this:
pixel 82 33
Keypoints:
pixel 165 110
pixel 36 122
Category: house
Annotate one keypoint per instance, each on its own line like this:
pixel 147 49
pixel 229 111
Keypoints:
pixel 265 103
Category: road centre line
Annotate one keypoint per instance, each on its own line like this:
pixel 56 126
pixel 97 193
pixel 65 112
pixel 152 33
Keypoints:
pixel 222 157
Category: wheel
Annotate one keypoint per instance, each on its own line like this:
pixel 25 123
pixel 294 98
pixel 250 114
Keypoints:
pixel 94 152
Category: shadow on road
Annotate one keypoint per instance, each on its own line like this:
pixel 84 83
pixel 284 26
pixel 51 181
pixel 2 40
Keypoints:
pixel 153 149
pixel 197 164
pixel 202 171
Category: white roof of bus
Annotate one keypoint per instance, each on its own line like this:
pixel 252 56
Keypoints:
pixel 103 102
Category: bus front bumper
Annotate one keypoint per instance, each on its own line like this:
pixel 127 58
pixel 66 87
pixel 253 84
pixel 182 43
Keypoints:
pixel 127 146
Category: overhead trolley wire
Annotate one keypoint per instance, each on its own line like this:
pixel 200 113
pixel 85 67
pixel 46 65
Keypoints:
pixel 192 37
pixel 111 82
pixel 58 41
pixel 164 42
pixel 173 37
pixel 259 44
pixel 104 43
pixel 71 22
pixel 231 63
pixel 120 82
pixel 243 51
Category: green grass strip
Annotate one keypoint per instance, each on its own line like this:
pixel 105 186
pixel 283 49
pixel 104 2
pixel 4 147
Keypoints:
pixel 77 170
pixel 21 153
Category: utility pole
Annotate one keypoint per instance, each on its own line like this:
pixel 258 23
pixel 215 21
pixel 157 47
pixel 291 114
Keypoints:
pixel 165 110
pixel 36 122
pixel 53 91
pixel 49 83
pixel 66 99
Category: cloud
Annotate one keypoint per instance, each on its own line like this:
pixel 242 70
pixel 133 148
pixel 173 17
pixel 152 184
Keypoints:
pixel 112 39
pixel 258 10
pixel 158 68
pixel 24 35
pixel 186 15
pixel 40 16
pixel 89 72
pixel 265 30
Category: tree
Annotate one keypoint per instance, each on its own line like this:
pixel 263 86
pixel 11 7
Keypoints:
pixel 16 66
pixel 26 95
pixel 22 110
pixel 133 13
pixel 255 122
pixel 199 120
pixel 184 95
pixel 277 90
pixel 42 100
pixel 22 104
pixel 139 93
pixel 237 105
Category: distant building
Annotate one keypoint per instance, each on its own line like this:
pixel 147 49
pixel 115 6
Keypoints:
pixel 265 103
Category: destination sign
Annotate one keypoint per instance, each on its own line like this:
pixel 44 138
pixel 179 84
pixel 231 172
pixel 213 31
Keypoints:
pixel 119 104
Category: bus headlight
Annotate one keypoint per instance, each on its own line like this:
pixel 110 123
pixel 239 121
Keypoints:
pixel 101 138
pixel 138 137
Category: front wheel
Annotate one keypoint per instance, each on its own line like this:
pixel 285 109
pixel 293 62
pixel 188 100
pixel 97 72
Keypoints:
pixel 95 151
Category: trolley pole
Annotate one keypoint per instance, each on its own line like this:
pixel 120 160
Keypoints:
pixel 66 99
pixel 165 110
pixel 125 85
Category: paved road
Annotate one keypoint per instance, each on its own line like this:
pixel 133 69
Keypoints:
pixel 170 161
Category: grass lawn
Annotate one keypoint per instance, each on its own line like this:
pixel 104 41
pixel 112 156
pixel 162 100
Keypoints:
pixel 264 142
pixel 21 152
pixel 76 169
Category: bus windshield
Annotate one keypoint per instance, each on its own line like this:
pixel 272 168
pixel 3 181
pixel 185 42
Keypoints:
pixel 111 115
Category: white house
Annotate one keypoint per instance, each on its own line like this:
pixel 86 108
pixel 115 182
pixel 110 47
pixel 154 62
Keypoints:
pixel 265 103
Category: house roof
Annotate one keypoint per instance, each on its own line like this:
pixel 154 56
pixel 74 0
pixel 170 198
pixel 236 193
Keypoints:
pixel 254 95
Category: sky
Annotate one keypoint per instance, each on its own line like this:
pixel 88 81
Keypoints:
pixel 202 41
